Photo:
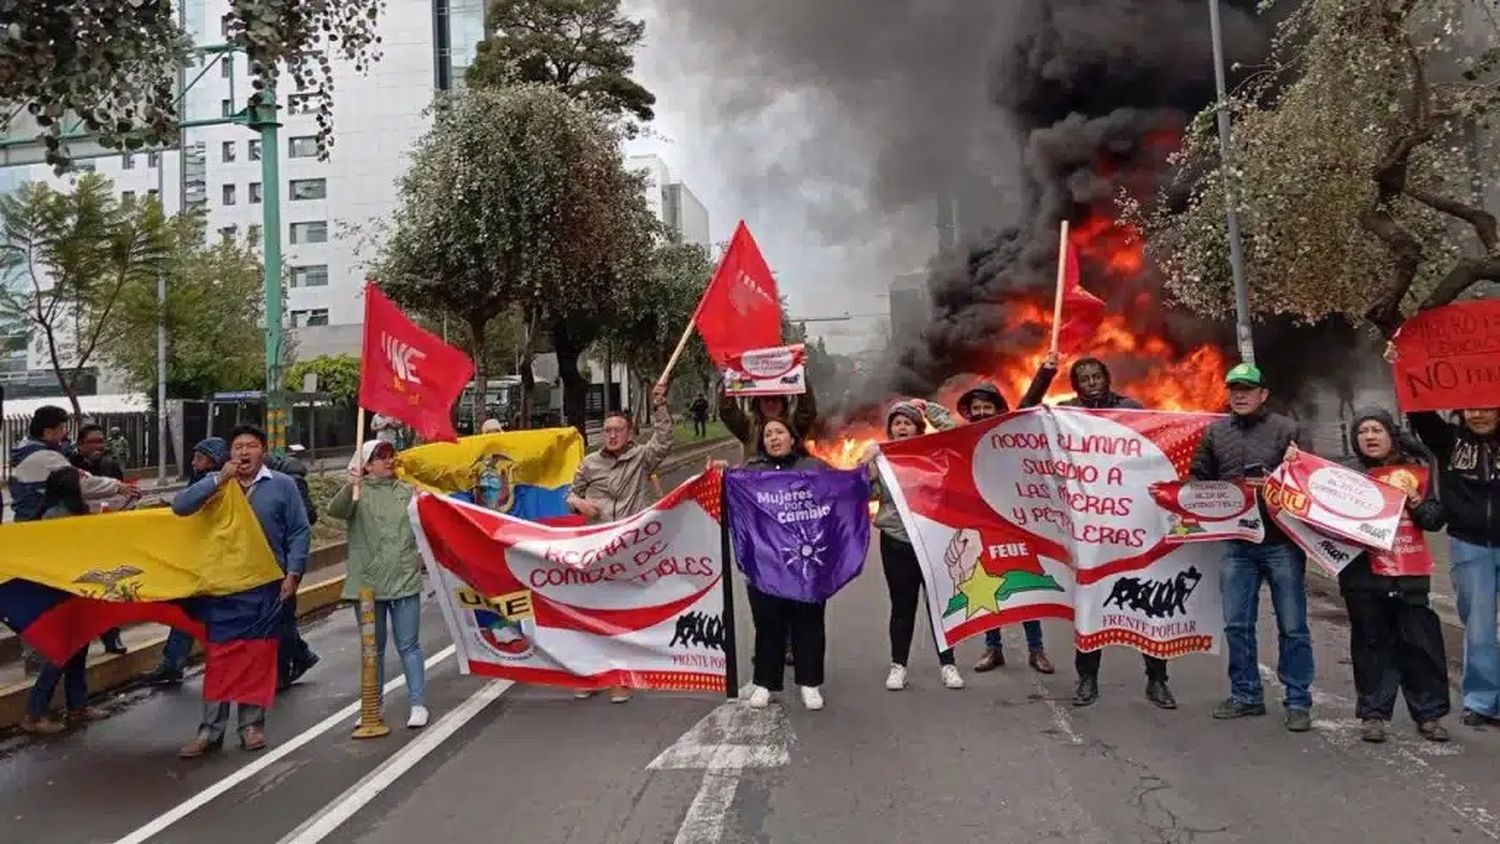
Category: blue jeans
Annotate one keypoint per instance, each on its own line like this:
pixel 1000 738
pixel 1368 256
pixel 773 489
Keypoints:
pixel 175 653
pixel 75 680
pixel 1285 567
pixel 1476 577
pixel 1033 636
pixel 406 627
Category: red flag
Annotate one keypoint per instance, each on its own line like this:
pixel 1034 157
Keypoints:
pixel 1082 310
pixel 408 373
pixel 741 309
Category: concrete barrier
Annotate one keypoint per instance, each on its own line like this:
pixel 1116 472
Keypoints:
pixel 115 672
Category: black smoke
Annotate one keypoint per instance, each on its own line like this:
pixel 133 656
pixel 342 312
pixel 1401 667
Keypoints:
pixel 1021 112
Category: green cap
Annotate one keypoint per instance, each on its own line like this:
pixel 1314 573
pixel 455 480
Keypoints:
pixel 1247 374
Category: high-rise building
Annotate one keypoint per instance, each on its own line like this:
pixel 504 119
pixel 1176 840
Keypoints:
pixel 910 304
pixel 671 200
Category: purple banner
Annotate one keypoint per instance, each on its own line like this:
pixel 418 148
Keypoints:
pixel 799 535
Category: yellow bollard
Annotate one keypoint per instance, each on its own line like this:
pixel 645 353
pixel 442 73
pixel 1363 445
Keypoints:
pixel 370 723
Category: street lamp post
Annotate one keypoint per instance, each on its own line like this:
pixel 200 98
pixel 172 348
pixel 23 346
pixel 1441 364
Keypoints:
pixel 1243 337
pixel 261 116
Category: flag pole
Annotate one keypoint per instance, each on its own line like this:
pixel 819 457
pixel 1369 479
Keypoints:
pixel 359 448
pixel 1062 278
pixel 731 649
pixel 687 334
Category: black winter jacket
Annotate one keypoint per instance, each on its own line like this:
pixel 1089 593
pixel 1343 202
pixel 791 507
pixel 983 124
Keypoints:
pixel 1469 477
pixel 1428 515
pixel 1236 442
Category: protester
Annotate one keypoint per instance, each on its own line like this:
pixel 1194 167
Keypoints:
pixel 1395 639
pixel 491 426
pixel 698 410
pixel 119 447
pixel 283 518
pixel 209 456
pixel 93 455
pixel 779 619
pixel 801 411
pixel 35 458
pixel 1246 446
pixel 1468 458
pixel 292 466
pixel 383 555
pixel 614 482
pixel 903 574
pixel 62 497
pixel 1094 389
pixel 983 402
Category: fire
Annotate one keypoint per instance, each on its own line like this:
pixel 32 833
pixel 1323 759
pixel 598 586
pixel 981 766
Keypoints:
pixel 1145 365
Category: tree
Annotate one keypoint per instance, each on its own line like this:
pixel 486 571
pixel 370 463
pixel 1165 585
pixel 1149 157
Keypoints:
pixel 653 314
pixel 113 63
pixel 214 318
pixel 69 260
pixel 511 199
pixel 582 47
pixel 1355 190
pixel 338 375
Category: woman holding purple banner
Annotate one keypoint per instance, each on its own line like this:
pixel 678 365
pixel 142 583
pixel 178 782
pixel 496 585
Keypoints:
pixel 780 620
pixel 903 574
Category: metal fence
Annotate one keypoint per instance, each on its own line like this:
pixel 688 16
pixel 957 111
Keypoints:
pixel 138 429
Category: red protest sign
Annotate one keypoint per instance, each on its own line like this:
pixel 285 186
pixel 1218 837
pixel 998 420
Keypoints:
pixel 1449 357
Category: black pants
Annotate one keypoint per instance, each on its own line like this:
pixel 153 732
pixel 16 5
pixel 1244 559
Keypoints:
pixel 1396 642
pixel 292 653
pixel 1087 665
pixel 700 426
pixel 903 579
pixel 778 620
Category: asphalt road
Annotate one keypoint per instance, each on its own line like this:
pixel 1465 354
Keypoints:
pixel 1006 759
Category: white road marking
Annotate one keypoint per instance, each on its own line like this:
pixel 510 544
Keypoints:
pixel 728 740
pixel 1060 717
pixel 262 761
pixel 1407 763
pixel 343 807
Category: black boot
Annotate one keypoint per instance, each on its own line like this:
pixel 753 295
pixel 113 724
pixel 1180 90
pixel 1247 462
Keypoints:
pixel 1158 693
pixel 112 643
pixel 1087 691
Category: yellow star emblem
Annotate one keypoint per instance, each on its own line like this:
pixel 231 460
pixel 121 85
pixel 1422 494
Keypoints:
pixel 980 590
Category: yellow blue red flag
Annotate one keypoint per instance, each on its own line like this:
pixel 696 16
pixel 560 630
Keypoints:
pixel 527 472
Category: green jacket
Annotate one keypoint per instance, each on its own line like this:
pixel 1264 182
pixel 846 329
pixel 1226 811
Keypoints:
pixel 382 548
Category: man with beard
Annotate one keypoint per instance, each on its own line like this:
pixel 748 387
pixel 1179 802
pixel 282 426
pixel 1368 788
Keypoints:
pixel 983 402
pixel 1093 390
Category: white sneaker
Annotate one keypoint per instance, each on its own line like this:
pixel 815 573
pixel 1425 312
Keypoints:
pixel 812 698
pixel 582 695
pixel 896 680
pixel 418 718
pixel 760 697
pixel 951 678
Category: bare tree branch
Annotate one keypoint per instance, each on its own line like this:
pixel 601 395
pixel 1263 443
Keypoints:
pixel 1464 275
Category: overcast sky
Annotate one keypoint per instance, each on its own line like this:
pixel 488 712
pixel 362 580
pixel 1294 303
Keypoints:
pixel 819 276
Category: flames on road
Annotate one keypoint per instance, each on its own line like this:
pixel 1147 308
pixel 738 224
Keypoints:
pixel 1144 363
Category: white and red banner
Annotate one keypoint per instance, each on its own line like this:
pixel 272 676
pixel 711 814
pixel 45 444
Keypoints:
pixel 638 602
pixel 776 371
pixel 1048 513
pixel 1208 511
pixel 1341 502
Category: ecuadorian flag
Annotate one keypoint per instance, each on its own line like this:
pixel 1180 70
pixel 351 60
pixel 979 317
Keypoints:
pixel 65 581
pixel 536 468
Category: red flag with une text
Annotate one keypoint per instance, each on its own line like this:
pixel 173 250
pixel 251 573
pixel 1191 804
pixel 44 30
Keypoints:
pixel 408 373
pixel 740 310
pixel 1082 311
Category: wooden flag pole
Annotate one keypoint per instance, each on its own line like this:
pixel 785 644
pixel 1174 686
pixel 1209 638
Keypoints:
pixel 1062 279
pixel 359 448
pixel 687 334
